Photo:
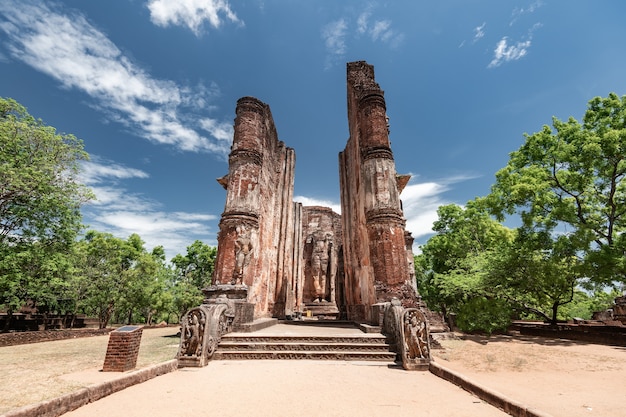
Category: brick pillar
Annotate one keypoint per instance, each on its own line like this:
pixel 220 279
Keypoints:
pixel 123 349
pixel 255 241
pixel 375 256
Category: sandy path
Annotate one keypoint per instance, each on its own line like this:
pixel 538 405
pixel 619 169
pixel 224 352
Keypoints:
pixel 563 378
pixel 560 377
pixel 291 388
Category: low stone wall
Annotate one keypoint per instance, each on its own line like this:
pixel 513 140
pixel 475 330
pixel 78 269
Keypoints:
pixel 592 333
pixel 36 336
pixel 66 403
pixel 32 322
pixel 488 395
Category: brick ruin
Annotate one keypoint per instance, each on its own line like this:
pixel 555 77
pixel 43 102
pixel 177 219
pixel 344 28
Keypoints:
pixel 296 260
pixel 378 263
pixel 258 241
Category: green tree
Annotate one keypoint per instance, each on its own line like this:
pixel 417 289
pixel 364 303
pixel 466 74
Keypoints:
pixel 569 178
pixel 450 270
pixel 40 199
pixel 103 274
pixel 33 272
pixel 192 272
pixel 146 293
pixel 40 196
pixel 197 265
pixel 537 273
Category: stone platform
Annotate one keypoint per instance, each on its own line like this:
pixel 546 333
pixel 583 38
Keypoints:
pixel 306 341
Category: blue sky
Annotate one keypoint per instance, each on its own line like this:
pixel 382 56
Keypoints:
pixel 150 86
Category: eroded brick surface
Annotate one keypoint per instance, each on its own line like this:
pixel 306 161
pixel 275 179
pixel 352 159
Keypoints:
pixel 289 255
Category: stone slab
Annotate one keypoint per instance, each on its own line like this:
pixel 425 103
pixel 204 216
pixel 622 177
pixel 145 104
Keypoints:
pixel 257 325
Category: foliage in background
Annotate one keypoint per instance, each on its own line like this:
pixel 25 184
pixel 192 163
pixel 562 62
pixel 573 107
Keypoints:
pixel 40 199
pixel 484 314
pixel 451 269
pixel 193 271
pixel 568 179
pixel 566 185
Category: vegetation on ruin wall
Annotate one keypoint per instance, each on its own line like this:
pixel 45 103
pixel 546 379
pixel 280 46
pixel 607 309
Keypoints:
pixel 565 188
pixel 47 264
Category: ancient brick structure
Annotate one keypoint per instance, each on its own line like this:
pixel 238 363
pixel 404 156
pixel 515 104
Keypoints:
pixel 123 349
pixel 256 237
pixel 375 253
pixel 277 258
pixel 293 259
pixel 323 271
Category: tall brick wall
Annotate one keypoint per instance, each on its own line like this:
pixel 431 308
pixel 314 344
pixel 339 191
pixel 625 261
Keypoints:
pixel 375 252
pixel 259 212
pixel 266 240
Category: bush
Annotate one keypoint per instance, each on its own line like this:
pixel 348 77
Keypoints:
pixel 483 314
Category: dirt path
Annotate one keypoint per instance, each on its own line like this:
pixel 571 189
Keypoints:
pixel 291 389
pixel 560 377
pixel 563 378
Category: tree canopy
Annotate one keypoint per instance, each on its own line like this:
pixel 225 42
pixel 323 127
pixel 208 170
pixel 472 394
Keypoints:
pixel 569 179
pixel 566 184
pixel 40 196
pixel 40 199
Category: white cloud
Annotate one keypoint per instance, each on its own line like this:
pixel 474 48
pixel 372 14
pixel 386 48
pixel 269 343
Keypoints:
pixel 191 13
pixel 311 201
pixel 122 213
pixel 220 131
pixel 98 170
pixel 506 53
pixel 420 202
pixel 362 21
pixel 79 56
pixel 520 11
pixel 379 30
pixel 174 231
pixel 334 35
pixel 479 32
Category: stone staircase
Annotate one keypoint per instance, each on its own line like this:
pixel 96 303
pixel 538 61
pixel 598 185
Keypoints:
pixel 364 347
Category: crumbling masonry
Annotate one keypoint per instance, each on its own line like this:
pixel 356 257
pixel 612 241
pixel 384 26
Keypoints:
pixel 277 258
pixel 294 259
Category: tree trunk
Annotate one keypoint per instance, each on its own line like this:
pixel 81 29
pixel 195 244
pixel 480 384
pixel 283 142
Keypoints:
pixel 105 316
pixel 555 309
pixel 7 323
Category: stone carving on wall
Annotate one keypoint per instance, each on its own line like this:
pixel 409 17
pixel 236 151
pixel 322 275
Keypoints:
pixel 192 331
pixel 201 331
pixel 415 335
pixel 407 331
pixel 243 252
pixel 415 340
pixel 320 257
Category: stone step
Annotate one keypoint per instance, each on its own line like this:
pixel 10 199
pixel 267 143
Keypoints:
pixel 322 355
pixel 370 339
pixel 295 346
pixel 368 347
